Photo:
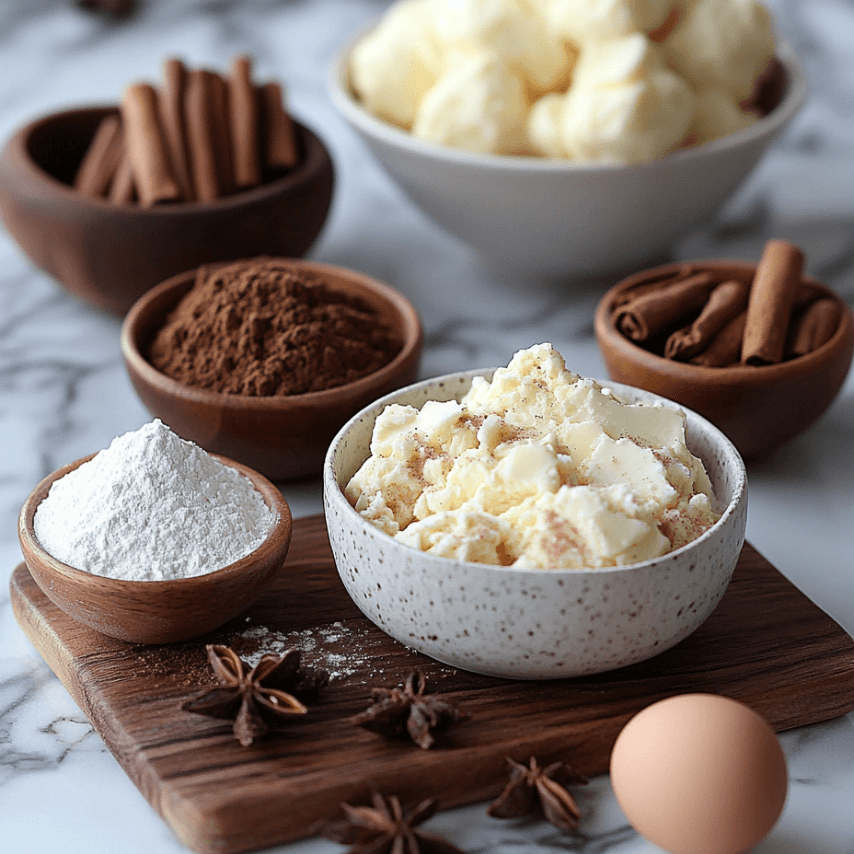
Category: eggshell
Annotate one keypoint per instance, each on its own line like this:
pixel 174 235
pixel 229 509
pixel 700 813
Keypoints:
pixel 699 774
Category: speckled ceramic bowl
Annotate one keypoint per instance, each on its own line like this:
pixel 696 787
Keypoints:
pixel 526 623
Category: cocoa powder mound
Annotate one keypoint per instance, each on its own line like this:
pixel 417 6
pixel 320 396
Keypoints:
pixel 263 327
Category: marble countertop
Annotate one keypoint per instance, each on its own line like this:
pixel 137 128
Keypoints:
pixel 64 393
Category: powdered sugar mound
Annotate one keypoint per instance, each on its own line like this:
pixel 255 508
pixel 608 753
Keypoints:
pixel 152 506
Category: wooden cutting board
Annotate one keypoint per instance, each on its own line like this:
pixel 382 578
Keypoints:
pixel 766 644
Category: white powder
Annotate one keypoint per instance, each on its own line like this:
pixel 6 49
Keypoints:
pixel 342 650
pixel 152 506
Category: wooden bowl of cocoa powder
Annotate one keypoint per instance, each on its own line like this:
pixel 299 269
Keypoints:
pixel 760 399
pixel 263 360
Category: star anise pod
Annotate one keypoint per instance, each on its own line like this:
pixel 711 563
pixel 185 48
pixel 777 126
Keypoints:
pixel 257 701
pixel 388 828
pixel 288 675
pixel 408 711
pixel 535 791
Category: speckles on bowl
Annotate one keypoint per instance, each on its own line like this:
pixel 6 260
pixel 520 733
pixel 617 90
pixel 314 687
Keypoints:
pixel 530 624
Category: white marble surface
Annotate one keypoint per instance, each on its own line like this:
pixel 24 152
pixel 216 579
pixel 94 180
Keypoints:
pixel 63 391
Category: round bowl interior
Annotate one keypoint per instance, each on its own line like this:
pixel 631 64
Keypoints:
pixel 523 623
pixel 565 217
pixel 758 408
pixel 156 612
pixel 109 254
pixel 283 437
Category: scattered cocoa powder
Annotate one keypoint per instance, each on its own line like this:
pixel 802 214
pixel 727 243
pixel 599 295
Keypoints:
pixel 263 327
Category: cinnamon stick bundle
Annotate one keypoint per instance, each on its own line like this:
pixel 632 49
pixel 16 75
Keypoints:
pixel 769 309
pixel 198 137
pixel 725 302
pixel 661 309
pixel 737 316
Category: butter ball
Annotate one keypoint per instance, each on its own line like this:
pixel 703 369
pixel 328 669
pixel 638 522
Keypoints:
pixel 580 20
pixel 625 105
pixel 543 126
pixel 699 774
pixel 722 43
pixel 717 114
pixel 511 31
pixel 395 64
pixel 478 105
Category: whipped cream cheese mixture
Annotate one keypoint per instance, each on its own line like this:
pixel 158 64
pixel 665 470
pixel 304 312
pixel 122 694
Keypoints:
pixel 536 468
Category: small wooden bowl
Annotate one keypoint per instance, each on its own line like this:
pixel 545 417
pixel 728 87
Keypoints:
pixel 283 437
pixel 758 408
pixel 109 254
pixel 156 612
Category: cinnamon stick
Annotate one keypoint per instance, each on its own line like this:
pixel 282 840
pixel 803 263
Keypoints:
pixel 171 103
pixel 652 283
pixel 727 300
pixel 769 309
pixel 245 124
pixel 122 189
pixel 155 181
pixel 101 159
pixel 725 348
pixel 221 128
pixel 280 143
pixel 813 327
pixel 661 309
pixel 203 136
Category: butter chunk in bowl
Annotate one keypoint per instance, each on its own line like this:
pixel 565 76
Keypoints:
pixel 529 523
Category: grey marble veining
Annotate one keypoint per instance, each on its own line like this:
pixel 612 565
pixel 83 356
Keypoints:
pixel 64 393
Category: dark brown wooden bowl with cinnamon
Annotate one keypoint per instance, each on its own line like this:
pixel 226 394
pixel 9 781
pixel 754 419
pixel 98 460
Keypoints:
pixel 108 253
pixel 278 411
pixel 721 370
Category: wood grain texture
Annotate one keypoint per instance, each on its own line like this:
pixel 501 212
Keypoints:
pixel 766 644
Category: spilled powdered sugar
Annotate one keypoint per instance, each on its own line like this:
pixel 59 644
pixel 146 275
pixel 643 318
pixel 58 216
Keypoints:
pixel 341 650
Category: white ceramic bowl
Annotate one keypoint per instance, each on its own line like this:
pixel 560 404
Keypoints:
pixel 554 217
pixel 529 623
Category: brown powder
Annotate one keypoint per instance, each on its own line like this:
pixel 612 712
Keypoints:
pixel 263 327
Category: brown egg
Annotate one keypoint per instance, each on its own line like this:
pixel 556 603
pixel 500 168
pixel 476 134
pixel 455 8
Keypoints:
pixel 699 774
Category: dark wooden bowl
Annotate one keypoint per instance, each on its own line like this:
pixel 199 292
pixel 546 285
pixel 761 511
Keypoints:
pixel 109 254
pixel 156 612
pixel 759 408
pixel 285 436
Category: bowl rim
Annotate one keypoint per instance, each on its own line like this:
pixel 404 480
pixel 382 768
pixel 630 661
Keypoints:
pixel 611 338
pixel 279 534
pixel 340 92
pixel 317 158
pixel 334 490
pixel 412 333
